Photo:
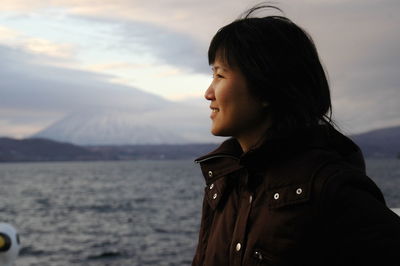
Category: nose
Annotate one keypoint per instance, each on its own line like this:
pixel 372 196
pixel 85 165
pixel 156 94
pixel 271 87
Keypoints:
pixel 209 94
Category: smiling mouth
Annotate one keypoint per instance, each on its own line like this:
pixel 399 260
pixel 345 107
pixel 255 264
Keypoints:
pixel 214 112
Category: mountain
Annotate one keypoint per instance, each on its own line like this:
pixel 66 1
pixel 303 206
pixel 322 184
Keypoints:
pixel 36 150
pixel 172 123
pixel 84 107
pixel 380 143
pixel 383 143
pixel 13 150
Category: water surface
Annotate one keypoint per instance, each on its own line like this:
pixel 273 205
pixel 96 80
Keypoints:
pixel 118 213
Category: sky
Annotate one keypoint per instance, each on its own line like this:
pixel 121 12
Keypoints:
pixel 60 55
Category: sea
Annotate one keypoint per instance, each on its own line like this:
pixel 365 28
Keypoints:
pixel 123 213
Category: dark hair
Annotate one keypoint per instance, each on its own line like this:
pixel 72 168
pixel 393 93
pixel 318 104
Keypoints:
pixel 281 65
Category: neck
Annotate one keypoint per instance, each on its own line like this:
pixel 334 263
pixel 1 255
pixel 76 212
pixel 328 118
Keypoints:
pixel 253 137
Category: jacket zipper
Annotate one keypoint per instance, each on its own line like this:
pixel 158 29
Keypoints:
pixel 261 257
pixel 217 156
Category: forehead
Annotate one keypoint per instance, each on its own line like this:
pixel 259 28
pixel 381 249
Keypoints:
pixel 220 64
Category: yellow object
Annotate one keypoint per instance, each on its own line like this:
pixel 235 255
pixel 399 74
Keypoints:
pixel 2 241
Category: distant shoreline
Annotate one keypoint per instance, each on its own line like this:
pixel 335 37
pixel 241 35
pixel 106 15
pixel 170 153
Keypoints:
pixel 45 150
pixel 381 143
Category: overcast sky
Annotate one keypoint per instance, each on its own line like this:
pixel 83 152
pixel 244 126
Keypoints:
pixel 58 55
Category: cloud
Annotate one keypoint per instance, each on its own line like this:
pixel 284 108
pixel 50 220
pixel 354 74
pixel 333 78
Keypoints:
pixel 183 16
pixel 7 34
pixel 22 6
pixel 116 65
pixel 176 32
pixel 41 46
pixel 14 38
pixel 351 36
pixel 18 130
pixel 162 44
pixel 56 88
pixel 169 47
pixel 358 42
pixel 44 93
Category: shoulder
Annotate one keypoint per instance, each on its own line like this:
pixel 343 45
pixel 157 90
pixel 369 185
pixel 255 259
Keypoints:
pixel 336 180
pixel 329 172
pixel 354 216
pixel 325 176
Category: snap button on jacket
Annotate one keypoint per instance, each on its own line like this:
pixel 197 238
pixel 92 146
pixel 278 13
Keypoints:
pixel 303 199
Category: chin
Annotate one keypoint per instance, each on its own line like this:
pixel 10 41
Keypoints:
pixel 219 132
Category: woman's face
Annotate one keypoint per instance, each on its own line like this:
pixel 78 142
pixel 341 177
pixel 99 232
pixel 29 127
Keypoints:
pixel 234 111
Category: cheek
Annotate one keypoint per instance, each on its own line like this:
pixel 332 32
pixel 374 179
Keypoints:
pixel 249 109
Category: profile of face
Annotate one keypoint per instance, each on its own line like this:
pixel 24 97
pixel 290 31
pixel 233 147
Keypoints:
pixel 234 111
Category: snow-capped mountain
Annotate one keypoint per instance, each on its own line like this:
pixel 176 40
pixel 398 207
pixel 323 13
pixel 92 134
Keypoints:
pixel 172 123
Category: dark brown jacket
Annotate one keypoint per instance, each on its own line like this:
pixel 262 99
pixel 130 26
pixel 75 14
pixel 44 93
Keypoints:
pixel 295 200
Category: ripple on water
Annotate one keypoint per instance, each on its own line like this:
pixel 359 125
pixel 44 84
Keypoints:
pixel 118 213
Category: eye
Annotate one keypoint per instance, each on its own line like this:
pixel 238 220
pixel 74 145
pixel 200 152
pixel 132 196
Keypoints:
pixel 218 76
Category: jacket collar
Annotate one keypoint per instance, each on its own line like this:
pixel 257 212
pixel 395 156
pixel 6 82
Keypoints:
pixel 229 157
pixel 222 161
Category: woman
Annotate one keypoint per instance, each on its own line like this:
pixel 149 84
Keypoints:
pixel 287 188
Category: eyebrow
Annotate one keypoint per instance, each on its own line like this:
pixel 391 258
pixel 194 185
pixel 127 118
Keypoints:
pixel 215 68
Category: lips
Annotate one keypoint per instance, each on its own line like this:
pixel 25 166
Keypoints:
pixel 214 111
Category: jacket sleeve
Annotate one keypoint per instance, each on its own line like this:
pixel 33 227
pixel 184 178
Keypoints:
pixel 359 228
